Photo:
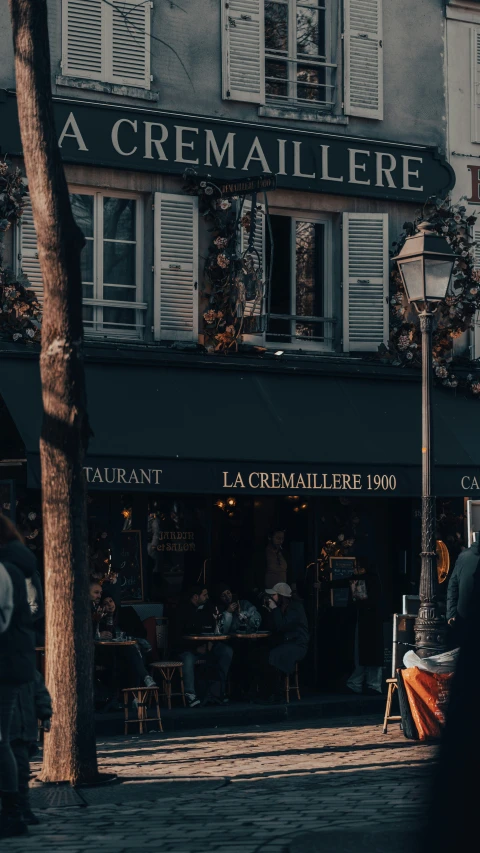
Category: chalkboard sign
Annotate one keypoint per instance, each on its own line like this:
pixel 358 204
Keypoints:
pixel 340 568
pixel 130 575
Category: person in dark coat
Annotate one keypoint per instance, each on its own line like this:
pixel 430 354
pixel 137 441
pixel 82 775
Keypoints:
pixel 365 603
pixel 33 704
pixel 14 551
pixel 17 667
pixel 124 619
pixel 288 624
pixel 460 589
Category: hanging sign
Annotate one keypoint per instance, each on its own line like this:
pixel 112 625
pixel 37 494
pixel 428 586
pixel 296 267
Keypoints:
pixel 155 141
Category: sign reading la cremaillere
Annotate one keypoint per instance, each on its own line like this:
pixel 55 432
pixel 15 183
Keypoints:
pixel 155 141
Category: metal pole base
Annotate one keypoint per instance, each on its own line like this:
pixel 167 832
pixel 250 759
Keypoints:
pixel 430 632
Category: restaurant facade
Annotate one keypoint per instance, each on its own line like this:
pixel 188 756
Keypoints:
pixel 303 111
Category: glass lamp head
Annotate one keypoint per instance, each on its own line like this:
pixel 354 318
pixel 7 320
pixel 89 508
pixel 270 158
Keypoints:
pixel 425 263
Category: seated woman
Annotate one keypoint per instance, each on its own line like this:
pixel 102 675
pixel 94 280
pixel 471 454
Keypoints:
pixel 133 672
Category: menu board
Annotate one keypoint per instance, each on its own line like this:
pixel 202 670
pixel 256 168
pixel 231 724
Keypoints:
pixel 340 568
pixel 130 576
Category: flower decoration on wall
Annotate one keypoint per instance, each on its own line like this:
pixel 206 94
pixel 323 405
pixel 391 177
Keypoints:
pixel 20 312
pixel 454 316
pixel 234 280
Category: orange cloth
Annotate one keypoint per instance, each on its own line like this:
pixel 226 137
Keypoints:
pixel 427 694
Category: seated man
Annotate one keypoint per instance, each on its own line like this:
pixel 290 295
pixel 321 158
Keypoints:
pixel 196 617
pixel 288 623
pixel 237 615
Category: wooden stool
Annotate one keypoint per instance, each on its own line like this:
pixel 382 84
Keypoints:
pixel 143 695
pixel 167 670
pixel 295 685
pixel 392 686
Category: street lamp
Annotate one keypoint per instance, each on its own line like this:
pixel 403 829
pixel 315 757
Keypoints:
pixel 425 263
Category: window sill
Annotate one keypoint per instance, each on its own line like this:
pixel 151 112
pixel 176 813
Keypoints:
pixel 300 114
pixel 109 88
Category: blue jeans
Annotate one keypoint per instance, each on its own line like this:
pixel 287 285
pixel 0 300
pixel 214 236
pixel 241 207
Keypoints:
pixel 220 658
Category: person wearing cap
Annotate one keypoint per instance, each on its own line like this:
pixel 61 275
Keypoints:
pixel 288 623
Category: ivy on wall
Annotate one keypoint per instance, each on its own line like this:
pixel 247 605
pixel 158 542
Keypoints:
pixel 20 312
pixel 454 316
pixel 234 278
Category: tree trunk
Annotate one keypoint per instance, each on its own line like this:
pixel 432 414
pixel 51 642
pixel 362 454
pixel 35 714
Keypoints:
pixel 70 753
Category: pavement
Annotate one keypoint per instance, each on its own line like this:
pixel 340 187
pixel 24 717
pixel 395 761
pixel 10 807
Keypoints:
pixel 311 707
pixel 295 787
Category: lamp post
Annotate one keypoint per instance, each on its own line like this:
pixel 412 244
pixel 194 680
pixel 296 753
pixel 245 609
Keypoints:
pixel 425 263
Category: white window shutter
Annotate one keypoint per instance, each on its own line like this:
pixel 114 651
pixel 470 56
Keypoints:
pixel 28 263
pixel 363 58
pixel 365 281
pixel 255 308
pixel 82 36
pixel 243 50
pixel 176 267
pixel 128 50
pixel 475 56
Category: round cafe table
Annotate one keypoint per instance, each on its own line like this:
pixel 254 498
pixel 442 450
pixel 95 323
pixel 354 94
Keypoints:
pixel 257 635
pixel 207 638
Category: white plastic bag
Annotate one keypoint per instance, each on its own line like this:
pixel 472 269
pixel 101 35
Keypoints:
pixel 446 662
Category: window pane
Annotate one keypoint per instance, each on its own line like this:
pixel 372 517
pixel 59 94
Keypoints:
pixel 311 84
pixel 86 261
pixel 119 218
pixel 309 277
pixel 276 27
pixel 87 312
pixel 279 85
pixel 82 209
pixel 122 294
pixel 120 317
pixel 280 291
pixel 87 291
pixel 118 263
pixel 311 30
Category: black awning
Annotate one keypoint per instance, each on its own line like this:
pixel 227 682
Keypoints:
pixel 204 428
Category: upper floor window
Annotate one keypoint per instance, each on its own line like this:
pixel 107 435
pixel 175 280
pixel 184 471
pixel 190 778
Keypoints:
pixel 300 305
pixel 111 263
pixel 109 42
pixel 285 52
pixel 298 52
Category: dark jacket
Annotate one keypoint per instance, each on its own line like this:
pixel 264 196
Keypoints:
pixel 460 585
pixel 191 620
pixel 17 643
pixel 290 632
pixel 290 626
pixel 126 619
pixel 366 616
pixel 33 704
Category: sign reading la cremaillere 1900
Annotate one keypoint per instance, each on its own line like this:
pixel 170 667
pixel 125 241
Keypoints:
pixel 155 141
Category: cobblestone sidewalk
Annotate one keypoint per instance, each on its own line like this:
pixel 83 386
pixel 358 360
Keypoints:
pixel 240 790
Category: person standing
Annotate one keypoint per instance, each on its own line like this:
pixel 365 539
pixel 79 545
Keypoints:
pixel 17 667
pixel 460 589
pixel 365 601
pixel 276 564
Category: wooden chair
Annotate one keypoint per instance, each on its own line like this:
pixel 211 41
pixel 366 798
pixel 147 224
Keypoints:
pixel 143 696
pixel 392 686
pixel 167 669
pixel 295 685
